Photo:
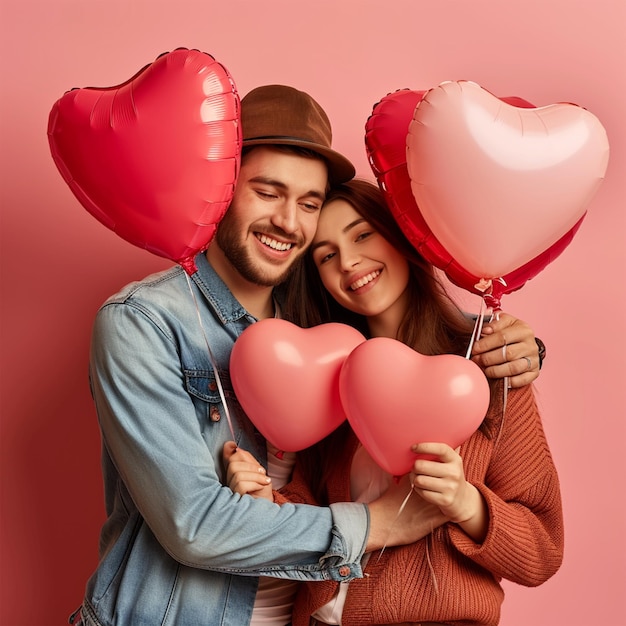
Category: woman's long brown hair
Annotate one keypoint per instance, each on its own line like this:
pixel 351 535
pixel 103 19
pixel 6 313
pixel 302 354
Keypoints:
pixel 433 323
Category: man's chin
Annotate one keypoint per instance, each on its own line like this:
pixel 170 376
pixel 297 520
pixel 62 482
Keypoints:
pixel 269 279
pixel 271 274
pixel 260 273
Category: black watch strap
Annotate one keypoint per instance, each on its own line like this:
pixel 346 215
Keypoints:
pixel 542 351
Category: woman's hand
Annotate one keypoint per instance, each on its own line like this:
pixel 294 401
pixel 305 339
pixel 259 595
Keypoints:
pixel 507 348
pixel 244 474
pixel 442 482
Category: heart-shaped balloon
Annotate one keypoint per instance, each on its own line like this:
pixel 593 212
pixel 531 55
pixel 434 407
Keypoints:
pixel 385 140
pixel 286 378
pixel 156 158
pixel 395 397
pixel 499 184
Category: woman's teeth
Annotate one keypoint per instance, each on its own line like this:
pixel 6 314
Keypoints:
pixel 364 280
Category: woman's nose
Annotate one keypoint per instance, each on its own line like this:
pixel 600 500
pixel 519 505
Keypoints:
pixel 349 260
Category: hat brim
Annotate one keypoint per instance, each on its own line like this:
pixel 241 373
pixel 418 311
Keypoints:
pixel 340 169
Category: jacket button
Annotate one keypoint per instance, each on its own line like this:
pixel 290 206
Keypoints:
pixel 214 414
pixel 212 386
pixel 344 571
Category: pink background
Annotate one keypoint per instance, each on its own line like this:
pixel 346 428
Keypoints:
pixel 59 264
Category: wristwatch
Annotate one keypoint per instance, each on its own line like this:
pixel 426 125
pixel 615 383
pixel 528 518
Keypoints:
pixel 542 351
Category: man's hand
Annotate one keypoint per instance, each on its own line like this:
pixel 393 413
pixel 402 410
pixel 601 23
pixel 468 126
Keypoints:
pixel 244 474
pixel 418 519
pixel 507 348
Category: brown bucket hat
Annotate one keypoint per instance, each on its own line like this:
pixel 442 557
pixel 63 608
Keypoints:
pixel 281 115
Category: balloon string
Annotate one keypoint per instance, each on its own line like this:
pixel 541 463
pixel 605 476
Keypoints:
pixel 428 539
pixel 478 327
pixel 430 564
pixel 496 314
pixel 402 507
pixel 504 398
pixel 212 359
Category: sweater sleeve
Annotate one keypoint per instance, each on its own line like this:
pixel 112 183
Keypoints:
pixel 524 542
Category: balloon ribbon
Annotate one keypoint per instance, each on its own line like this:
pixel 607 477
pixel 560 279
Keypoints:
pixel 212 359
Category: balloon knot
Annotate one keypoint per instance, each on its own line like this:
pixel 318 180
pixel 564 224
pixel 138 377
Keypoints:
pixel 484 285
pixel 189 265
pixel 492 302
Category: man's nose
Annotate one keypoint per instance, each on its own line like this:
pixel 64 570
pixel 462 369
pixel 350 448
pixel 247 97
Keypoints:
pixel 286 217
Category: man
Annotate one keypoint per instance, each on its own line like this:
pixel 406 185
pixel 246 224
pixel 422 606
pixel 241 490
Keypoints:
pixel 179 547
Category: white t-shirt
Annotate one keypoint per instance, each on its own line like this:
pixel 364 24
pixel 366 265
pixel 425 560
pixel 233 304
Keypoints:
pixel 275 597
pixel 367 482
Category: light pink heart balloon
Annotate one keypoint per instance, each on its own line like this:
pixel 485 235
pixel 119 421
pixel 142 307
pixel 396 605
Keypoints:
pixel 286 379
pixel 499 184
pixel 395 397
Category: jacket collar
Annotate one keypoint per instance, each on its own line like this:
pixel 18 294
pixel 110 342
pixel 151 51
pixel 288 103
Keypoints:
pixel 218 295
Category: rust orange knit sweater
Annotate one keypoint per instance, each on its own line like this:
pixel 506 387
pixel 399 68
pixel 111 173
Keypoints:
pixel 524 544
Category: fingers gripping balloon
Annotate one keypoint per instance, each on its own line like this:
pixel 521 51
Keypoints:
pixel 155 159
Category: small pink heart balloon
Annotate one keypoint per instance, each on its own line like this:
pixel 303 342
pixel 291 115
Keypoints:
pixel 286 379
pixel 395 397
pixel 498 184
pixel 155 159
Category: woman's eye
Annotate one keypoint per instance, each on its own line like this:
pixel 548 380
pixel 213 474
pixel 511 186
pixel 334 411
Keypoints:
pixel 325 258
pixel 363 235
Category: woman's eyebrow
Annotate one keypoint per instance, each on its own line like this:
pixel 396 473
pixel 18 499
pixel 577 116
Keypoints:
pixel 345 229
pixel 356 222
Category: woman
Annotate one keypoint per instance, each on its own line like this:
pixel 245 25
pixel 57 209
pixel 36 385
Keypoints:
pixel 497 497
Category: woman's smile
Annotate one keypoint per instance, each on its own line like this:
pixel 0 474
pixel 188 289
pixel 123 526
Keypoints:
pixel 367 280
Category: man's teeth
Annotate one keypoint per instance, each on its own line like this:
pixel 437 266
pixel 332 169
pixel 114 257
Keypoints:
pixel 364 280
pixel 276 245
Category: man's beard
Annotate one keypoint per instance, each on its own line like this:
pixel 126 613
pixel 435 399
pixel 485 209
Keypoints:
pixel 228 239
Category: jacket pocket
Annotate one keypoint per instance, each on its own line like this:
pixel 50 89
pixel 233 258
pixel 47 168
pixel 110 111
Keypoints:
pixel 204 388
pixel 203 384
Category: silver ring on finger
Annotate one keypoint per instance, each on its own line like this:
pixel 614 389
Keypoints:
pixel 530 365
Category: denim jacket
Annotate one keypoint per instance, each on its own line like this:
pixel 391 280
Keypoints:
pixel 178 547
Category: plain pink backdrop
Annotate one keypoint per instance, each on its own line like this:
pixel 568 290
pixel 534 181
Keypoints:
pixel 59 264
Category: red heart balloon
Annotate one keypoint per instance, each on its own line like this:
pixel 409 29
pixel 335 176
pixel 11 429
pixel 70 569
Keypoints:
pixel 385 140
pixel 286 379
pixel 395 397
pixel 499 184
pixel 156 158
